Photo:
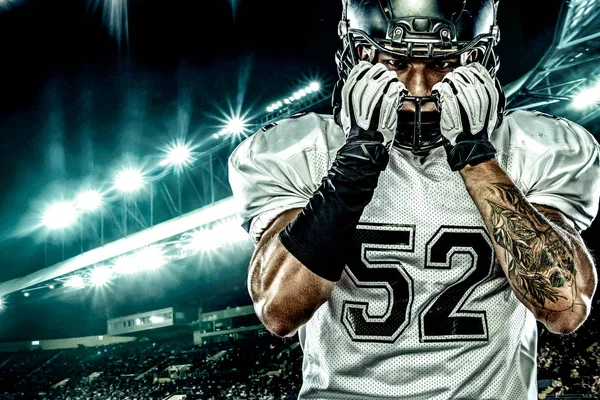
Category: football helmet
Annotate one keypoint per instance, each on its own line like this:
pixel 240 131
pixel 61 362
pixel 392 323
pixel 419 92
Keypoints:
pixel 427 29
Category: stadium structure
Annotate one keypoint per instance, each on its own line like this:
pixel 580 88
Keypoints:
pixel 180 212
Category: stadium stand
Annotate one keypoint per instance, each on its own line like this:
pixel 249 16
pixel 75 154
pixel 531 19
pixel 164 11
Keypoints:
pixel 264 367
pixel 569 365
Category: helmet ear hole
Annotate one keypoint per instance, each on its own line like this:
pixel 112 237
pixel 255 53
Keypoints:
pixel 475 55
pixel 365 53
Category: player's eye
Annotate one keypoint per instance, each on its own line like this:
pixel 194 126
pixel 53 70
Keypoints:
pixel 395 64
pixel 444 65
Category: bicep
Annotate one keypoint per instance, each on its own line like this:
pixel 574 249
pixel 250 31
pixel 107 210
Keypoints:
pixel 267 255
pixel 277 225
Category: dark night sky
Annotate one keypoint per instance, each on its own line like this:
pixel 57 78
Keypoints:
pixel 74 99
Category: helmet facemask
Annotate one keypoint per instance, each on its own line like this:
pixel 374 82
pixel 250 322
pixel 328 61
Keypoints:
pixel 426 30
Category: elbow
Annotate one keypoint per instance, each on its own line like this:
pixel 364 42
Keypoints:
pixel 574 307
pixel 564 326
pixel 276 319
pixel 282 330
pixel 567 321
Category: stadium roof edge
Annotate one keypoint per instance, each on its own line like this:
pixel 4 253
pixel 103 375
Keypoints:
pixel 214 212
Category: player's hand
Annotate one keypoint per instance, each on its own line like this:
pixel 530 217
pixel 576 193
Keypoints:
pixel 468 102
pixel 371 98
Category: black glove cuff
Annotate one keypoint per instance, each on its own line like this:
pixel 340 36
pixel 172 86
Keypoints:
pixel 320 235
pixel 470 152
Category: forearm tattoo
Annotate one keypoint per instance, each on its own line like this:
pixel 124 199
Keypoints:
pixel 540 261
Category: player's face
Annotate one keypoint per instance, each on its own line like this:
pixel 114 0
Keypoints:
pixel 419 75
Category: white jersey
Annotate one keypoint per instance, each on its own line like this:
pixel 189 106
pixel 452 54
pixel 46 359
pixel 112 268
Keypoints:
pixel 423 310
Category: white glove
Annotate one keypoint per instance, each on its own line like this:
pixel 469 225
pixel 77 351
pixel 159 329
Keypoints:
pixel 471 89
pixel 371 98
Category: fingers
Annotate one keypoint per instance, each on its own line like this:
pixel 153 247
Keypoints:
pixel 367 94
pixel 487 89
pixel 371 97
pixel 450 120
pixel 472 96
pixel 468 100
pixel 390 104
pixel 357 72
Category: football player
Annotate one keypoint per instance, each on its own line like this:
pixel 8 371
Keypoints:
pixel 413 237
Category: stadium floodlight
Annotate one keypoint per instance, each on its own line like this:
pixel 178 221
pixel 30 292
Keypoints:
pixel 1 304
pixel 88 200
pixel 129 180
pixel 150 258
pixel 26 294
pixel 221 234
pixel 236 125
pixel 156 319
pixel 223 132
pixel 60 215
pixel 125 265
pixel 297 95
pixel 100 276
pixel 75 282
pixel 204 240
pixel 587 97
pixel 178 155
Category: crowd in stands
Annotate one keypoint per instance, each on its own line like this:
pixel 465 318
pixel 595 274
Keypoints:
pixel 264 368
pixel 569 365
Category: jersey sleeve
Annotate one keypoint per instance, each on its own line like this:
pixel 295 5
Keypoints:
pixel 280 166
pixel 556 163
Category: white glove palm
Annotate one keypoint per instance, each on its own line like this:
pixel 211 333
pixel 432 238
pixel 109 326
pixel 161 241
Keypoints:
pixel 468 102
pixel 371 98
